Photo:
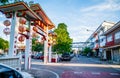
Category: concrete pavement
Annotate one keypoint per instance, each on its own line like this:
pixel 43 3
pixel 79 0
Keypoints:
pixel 81 61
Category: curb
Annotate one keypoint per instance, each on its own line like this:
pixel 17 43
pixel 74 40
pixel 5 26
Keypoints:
pixel 42 73
pixel 57 76
pixel 116 67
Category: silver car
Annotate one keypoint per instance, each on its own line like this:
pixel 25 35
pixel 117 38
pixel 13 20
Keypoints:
pixel 9 72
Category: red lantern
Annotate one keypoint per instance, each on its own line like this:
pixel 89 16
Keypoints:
pixel 22 20
pixel 6 31
pixel 35 29
pixel 6 23
pixel 22 28
pixel 21 38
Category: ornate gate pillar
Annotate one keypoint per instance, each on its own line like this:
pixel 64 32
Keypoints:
pixel 46 48
pixel 12 35
pixel 28 49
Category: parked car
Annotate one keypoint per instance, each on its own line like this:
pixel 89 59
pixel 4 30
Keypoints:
pixel 55 57
pixel 37 56
pixel 65 57
pixel 72 55
pixel 9 72
pixel 42 57
pixel 32 55
pixel 3 55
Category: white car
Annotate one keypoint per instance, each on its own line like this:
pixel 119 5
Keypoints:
pixel 9 72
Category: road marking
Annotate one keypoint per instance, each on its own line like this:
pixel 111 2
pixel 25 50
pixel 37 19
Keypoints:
pixel 78 72
pixel 57 76
pixel 114 74
pixel 95 73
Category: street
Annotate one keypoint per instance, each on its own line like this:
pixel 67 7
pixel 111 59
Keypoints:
pixel 82 67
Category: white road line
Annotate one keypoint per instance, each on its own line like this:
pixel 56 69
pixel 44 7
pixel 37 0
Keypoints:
pixel 114 74
pixel 57 76
pixel 78 72
pixel 95 73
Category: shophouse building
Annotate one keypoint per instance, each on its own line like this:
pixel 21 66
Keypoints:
pixel 112 46
pixel 96 41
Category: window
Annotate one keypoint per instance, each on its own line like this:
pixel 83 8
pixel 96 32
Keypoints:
pixel 109 38
pixel 10 74
pixel 117 35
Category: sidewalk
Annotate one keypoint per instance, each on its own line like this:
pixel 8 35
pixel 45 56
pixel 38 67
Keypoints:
pixel 103 62
pixel 109 63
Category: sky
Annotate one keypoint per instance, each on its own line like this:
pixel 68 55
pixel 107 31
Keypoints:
pixel 78 15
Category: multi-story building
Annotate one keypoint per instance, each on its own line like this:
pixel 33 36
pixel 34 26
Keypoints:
pixel 100 37
pixel 96 41
pixel 112 46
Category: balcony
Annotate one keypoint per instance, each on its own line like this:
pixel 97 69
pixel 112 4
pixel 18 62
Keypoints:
pixel 111 43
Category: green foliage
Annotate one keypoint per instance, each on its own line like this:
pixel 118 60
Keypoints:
pixel 7 1
pixel 63 40
pixel 4 44
pixel 87 50
pixel 4 1
pixel 36 46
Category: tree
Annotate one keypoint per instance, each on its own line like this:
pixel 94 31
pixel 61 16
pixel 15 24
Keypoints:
pixel 36 46
pixel 7 1
pixel 4 44
pixel 4 1
pixel 87 50
pixel 63 40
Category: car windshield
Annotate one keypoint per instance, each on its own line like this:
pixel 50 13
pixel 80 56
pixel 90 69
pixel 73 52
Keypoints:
pixel 6 72
pixel 65 54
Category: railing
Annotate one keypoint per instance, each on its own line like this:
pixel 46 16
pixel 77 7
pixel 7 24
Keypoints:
pixel 14 62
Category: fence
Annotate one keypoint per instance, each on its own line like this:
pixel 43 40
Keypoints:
pixel 14 62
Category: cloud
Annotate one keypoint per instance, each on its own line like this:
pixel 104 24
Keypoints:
pixel 81 34
pixel 1 16
pixel 109 5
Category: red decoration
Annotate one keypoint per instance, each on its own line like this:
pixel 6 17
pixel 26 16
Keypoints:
pixel 7 23
pixel 8 15
pixel 22 20
pixel 43 38
pixel 35 29
pixel 6 31
pixel 22 28
pixel 21 38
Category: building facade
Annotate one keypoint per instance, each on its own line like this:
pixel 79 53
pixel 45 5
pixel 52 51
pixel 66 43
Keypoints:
pixel 96 41
pixel 112 46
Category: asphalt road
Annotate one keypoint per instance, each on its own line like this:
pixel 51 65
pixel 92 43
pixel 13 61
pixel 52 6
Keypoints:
pixel 81 67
